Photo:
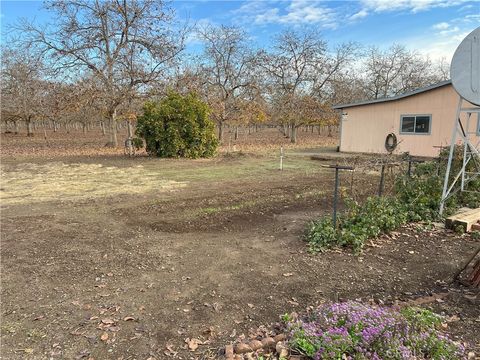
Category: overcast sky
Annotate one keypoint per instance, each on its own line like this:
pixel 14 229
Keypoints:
pixel 434 27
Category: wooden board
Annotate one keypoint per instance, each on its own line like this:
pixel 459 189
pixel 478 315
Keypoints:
pixel 465 218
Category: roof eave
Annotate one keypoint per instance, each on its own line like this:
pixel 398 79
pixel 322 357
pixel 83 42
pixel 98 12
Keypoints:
pixel 394 98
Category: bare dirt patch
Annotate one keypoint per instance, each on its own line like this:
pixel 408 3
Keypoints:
pixel 133 274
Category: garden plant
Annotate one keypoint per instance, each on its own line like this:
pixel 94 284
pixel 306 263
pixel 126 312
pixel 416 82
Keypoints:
pixel 352 330
pixel 416 198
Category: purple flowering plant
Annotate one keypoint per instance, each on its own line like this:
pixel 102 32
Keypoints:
pixel 352 330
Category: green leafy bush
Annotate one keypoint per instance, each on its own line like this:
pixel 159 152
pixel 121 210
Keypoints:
pixel 420 193
pixel 321 234
pixel 360 222
pixel 177 126
pixel 416 198
pixel 467 198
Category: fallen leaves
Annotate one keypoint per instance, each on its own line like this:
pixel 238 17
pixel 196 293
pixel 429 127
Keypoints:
pixel 170 351
pixel 108 322
pixel 193 343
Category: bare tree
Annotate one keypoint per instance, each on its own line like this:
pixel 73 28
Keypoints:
pixel 227 68
pixel 300 69
pixel 347 87
pixel 22 88
pixel 331 66
pixel 396 70
pixel 124 44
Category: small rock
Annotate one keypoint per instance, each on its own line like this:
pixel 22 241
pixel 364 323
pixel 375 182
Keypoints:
pixel 238 357
pixel 283 354
pixel 249 356
pixel 471 355
pixel 229 352
pixel 268 343
pixel 242 348
pixel 279 347
pixel 255 345
pixel 279 337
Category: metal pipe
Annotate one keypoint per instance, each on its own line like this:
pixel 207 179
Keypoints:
pixel 450 156
pixel 382 180
pixel 335 199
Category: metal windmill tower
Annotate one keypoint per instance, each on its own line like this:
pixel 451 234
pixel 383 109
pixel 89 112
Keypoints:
pixel 465 74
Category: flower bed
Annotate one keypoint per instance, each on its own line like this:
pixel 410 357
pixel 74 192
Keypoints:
pixel 353 330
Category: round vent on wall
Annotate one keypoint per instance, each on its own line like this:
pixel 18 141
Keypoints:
pixel 465 68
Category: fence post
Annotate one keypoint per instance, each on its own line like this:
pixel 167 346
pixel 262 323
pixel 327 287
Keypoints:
pixel 335 191
pixel 382 179
pixel 281 158
pixel 335 199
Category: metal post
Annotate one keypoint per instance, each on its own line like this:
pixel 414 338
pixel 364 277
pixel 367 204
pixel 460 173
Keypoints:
pixel 382 179
pixel 335 199
pixel 450 156
pixel 409 167
pixel 465 146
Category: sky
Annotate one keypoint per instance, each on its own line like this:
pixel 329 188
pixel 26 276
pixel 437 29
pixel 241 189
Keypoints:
pixel 433 27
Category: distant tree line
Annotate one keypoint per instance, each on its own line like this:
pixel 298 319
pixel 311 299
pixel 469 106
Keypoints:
pixel 99 61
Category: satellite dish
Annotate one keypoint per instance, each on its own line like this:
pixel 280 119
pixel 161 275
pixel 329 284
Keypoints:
pixel 465 68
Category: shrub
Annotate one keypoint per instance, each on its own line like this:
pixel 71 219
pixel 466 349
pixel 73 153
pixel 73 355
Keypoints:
pixel 353 330
pixel 177 126
pixel 321 235
pixel 360 222
pixel 416 198
pixel 420 193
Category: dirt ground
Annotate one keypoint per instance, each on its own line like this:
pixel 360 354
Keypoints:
pixel 107 257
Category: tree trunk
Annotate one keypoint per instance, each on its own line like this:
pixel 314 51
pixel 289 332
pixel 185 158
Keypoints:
pixel 293 137
pixel 220 131
pixel 236 132
pixel 129 129
pixel 29 128
pixel 15 125
pixel 113 129
pixel 329 131
pixel 102 126
pixel 84 128
pixel 129 142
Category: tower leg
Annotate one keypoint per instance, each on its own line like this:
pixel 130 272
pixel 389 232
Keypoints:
pixel 450 157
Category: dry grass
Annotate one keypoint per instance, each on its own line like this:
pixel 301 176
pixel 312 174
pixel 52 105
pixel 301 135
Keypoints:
pixel 29 183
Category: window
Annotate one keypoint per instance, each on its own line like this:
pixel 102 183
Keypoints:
pixel 415 124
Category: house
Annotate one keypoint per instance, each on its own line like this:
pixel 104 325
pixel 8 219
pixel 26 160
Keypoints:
pixel 421 121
